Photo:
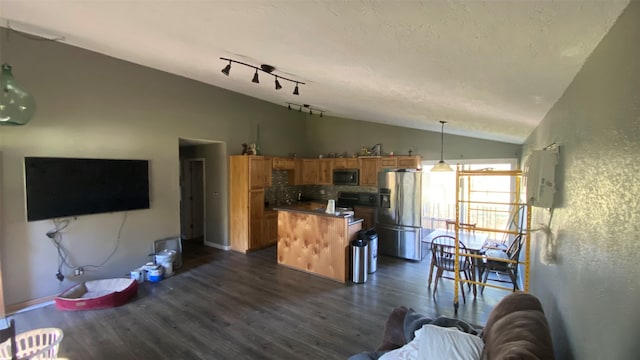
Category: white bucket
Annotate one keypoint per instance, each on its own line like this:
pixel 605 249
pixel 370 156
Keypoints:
pixel 155 274
pixel 138 275
pixel 165 258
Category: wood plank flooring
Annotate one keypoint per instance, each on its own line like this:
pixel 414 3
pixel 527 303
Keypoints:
pixel 226 305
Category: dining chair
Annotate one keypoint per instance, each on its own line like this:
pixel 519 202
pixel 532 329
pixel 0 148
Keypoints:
pixel 501 267
pixel 443 249
pixel 9 334
pixel 451 226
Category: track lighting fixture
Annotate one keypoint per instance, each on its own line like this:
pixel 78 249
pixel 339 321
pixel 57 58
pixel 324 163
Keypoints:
pixel 227 69
pixel 306 108
pixel 264 68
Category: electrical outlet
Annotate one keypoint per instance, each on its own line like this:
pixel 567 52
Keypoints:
pixel 79 271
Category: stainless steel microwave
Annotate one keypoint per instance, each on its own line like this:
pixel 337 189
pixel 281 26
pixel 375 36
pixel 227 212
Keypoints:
pixel 345 177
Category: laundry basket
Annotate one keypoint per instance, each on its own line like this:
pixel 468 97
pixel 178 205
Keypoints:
pixel 38 344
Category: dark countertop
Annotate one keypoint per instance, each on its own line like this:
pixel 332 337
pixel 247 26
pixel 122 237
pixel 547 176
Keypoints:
pixel 318 212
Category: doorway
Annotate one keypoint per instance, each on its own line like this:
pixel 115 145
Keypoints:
pixel 193 224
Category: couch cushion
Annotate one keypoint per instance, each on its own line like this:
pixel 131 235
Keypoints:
pixel 522 335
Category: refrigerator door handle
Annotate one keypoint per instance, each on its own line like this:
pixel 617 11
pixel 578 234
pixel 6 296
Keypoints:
pixel 398 203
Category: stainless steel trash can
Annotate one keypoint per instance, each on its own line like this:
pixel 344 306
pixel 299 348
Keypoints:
pixel 359 261
pixel 372 242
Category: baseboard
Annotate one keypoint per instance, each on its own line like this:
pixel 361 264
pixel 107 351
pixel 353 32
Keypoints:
pixel 29 305
pixel 217 246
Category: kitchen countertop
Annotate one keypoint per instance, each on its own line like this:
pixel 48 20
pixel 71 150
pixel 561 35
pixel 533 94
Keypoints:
pixel 319 211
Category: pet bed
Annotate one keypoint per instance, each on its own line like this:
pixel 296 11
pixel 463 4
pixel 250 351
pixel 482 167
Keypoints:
pixel 97 294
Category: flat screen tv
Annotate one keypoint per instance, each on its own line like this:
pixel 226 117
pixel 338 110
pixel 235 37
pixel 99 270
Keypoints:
pixel 59 187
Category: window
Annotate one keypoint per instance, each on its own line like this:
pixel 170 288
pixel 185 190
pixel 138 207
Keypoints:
pixel 439 195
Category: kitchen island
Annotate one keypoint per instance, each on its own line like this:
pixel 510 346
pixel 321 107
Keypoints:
pixel 316 242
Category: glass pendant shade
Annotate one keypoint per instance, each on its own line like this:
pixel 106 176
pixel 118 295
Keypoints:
pixel 441 166
pixel 16 105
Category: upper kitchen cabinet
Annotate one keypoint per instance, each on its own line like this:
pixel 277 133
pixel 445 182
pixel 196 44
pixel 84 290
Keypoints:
pixel 389 162
pixel 325 171
pixel 281 163
pixel 256 169
pixel 400 162
pixel 306 172
pixel 345 163
pixel 409 162
pixel 369 167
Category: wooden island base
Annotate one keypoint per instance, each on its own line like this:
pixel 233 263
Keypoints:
pixel 316 243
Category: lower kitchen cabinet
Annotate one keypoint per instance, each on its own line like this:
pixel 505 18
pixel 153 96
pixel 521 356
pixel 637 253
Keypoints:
pixel 270 228
pixel 367 214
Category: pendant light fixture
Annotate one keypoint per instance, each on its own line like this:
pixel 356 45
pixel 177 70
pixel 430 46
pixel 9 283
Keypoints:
pixel 441 165
pixel 16 105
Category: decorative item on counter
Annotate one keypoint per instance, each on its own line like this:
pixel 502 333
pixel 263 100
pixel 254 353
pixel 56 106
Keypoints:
pixel 364 151
pixel 245 150
pixel 331 207
pixel 410 152
pixel 391 153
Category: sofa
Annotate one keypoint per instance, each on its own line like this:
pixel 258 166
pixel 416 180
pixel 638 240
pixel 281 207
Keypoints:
pixel 516 329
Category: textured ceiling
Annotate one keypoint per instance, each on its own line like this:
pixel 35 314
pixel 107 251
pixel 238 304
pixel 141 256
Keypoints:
pixel 492 69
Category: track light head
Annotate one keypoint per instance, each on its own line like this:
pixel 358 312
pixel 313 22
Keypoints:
pixel 255 78
pixel 278 86
pixel 295 91
pixel 227 69
pixel 289 106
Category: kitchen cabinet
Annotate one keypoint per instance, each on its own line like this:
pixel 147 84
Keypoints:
pixel 367 214
pixel 270 228
pixel 389 162
pixel 259 171
pixel 280 163
pixel 409 162
pixel 345 163
pixel 369 167
pixel 247 179
pixel 306 172
pixel 325 172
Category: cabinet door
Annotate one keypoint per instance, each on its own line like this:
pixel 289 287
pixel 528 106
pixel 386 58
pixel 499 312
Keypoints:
pixel 325 171
pixel 259 172
pixel 310 170
pixel 256 213
pixel 409 162
pixel 389 162
pixel 369 171
pixel 367 214
pixel 279 163
pixel 270 228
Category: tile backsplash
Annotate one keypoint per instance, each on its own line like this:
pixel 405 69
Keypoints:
pixel 281 193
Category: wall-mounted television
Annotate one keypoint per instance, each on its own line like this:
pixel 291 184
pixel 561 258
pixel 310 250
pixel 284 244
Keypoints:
pixel 60 187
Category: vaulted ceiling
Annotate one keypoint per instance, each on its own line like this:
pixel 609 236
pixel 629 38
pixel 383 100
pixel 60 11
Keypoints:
pixel 491 69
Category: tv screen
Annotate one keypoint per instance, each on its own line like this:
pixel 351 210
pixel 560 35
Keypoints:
pixel 59 187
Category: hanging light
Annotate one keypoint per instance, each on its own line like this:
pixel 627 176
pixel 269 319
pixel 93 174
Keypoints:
pixel 255 78
pixel 306 108
pixel 278 86
pixel 227 69
pixel 16 105
pixel 295 91
pixel 441 165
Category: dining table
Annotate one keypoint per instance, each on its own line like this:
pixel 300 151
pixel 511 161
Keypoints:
pixel 472 240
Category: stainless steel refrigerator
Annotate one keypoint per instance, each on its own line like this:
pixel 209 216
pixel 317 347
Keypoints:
pixel 399 214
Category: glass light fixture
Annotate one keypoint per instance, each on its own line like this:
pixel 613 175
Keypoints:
pixel 441 165
pixel 16 105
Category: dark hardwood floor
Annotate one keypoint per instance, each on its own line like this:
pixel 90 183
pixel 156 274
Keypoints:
pixel 225 305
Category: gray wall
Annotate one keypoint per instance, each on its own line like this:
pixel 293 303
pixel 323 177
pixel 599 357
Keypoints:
pixel 591 291
pixel 90 105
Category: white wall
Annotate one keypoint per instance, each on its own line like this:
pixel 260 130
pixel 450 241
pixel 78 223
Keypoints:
pixel 591 291
pixel 90 105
